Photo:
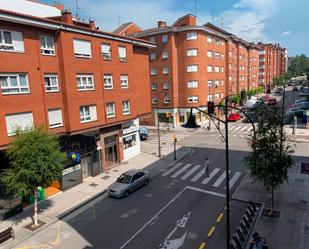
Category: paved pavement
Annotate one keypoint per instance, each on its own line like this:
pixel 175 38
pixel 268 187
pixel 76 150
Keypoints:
pixel 63 203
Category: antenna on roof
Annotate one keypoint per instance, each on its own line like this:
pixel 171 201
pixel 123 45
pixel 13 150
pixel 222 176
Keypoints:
pixel 195 7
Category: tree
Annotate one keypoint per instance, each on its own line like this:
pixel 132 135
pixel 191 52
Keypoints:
pixel 271 157
pixel 279 80
pixel 299 66
pixel 35 161
pixel 235 99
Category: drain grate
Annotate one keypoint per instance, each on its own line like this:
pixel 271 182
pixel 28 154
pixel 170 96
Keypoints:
pixel 306 230
pixel 105 177
pixel 93 184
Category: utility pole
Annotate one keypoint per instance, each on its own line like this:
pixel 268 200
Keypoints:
pixel 159 142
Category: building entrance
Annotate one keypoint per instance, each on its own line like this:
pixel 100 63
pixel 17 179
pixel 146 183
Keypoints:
pixel 111 150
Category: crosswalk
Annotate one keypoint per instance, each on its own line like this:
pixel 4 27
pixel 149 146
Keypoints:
pixel 240 128
pixel 196 173
pixel 166 138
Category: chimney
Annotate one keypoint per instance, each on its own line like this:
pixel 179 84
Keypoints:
pixel 161 24
pixel 67 17
pixel 92 25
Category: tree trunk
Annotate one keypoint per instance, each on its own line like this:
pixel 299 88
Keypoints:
pixel 36 208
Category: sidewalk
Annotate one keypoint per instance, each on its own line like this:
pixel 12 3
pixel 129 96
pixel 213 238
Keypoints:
pixel 291 229
pixel 63 203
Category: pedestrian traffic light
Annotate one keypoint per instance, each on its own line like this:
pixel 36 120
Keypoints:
pixel 211 107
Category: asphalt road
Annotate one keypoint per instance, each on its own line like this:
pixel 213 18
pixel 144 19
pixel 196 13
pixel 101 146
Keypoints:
pixel 180 208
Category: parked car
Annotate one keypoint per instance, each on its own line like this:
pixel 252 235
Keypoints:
pixel 299 113
pixel 233 117
pixel 272 101
pixel 295 88
pixel 300 101
pixel 143 133
pixel 128 182
pixel 303 94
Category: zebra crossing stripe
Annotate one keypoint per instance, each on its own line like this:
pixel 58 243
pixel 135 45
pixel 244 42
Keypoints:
pixel 237 128
pixel 220 179
pixel 177 165
pixel 244 128
pixel 211 175
pixel 195 168
pixel 198 176
pixel 181 170
pixel 232 128
pixel 234 179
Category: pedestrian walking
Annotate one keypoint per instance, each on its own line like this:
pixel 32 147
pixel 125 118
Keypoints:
pixel 207 166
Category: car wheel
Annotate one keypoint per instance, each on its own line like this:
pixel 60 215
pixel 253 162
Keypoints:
pixel 146 182
pixel 126 193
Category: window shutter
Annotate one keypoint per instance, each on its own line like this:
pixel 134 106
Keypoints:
pixel 93 112
pixel 82 48
pixel 21 120
pixel 55 117
pixel 18 41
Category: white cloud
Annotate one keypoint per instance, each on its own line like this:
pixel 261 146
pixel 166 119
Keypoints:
pixel 285 33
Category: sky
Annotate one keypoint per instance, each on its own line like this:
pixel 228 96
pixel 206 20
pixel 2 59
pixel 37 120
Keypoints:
pixel 277 21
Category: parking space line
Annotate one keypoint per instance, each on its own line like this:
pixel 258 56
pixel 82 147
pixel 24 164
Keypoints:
pixel 219 217
pixel 211 231
pixel 202 245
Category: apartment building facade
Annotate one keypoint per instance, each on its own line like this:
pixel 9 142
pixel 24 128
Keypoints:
pixel 273 62
pixel 77 81
pixel 192 65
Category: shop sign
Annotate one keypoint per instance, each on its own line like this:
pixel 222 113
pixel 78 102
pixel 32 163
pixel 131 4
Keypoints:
pixel 71 169
pixel 133 127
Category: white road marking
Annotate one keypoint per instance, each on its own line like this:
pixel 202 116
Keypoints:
pixel 220 179
pixel 244 128
pixel 172 169
pixel 198 176
pixel 237 128
pixel 231 128
pixel 211 175
pixel 190 172
pixel 181 170
pixel 234 179
pixel 205 191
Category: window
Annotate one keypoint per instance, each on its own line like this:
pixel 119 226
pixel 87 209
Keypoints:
pixel 217 69
pixel 217 96
pixel 209 39
pixel 129 141
pixel 230 53
pixel 106 51
pixel 209 83
pixel 262 52
pixel 217 83
pixel 192 84
pixel 222 82
pixel 209 69
pixel 85 82
pixel 152 56
pixel 11 41
pixel 82 48
pixel 126 107
pixel 108 81
pixel 22 121
pixel 209 53
pixel 154 101
pixel 217 55
pixel 88 113
pixel 217 40
pixel 152 39
pixel 166 85
pixel 51 83
pixel 230 65
pixel 191 68
pixel 192 52
pixel 124 81
pixel 230 78
pixel 167 100
pixel 164 38
pixel 191 36
pixel 193 99
pixel 209 97
pixel 165 55
pixel 165 70
pixel 55 118
pixel 122 51
pixel 47 45
pixel 153 71
pixel 154 86
pixel 14 83
pixel 110 110
pixel 222 69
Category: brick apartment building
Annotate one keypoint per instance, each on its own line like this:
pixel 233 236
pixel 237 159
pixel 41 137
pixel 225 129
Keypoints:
pixel 81 83
pixel 273 62
pixel 192 65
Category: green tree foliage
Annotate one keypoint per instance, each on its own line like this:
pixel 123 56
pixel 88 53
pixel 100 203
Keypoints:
pixel 270 159
pixel 299 66
pixel 35 161
pixel 279 80
pixel 235 99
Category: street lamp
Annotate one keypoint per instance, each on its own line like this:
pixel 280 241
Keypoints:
pixel 191 123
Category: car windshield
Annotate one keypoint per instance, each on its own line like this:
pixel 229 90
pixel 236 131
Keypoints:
pixel 124 179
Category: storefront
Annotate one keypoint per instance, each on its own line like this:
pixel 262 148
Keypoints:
pixel 130 139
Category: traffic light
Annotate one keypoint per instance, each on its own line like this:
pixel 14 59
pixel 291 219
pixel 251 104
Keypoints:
pixel 211 107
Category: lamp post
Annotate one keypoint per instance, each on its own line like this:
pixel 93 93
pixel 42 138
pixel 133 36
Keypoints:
pixel 192 124
pixel 158 128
